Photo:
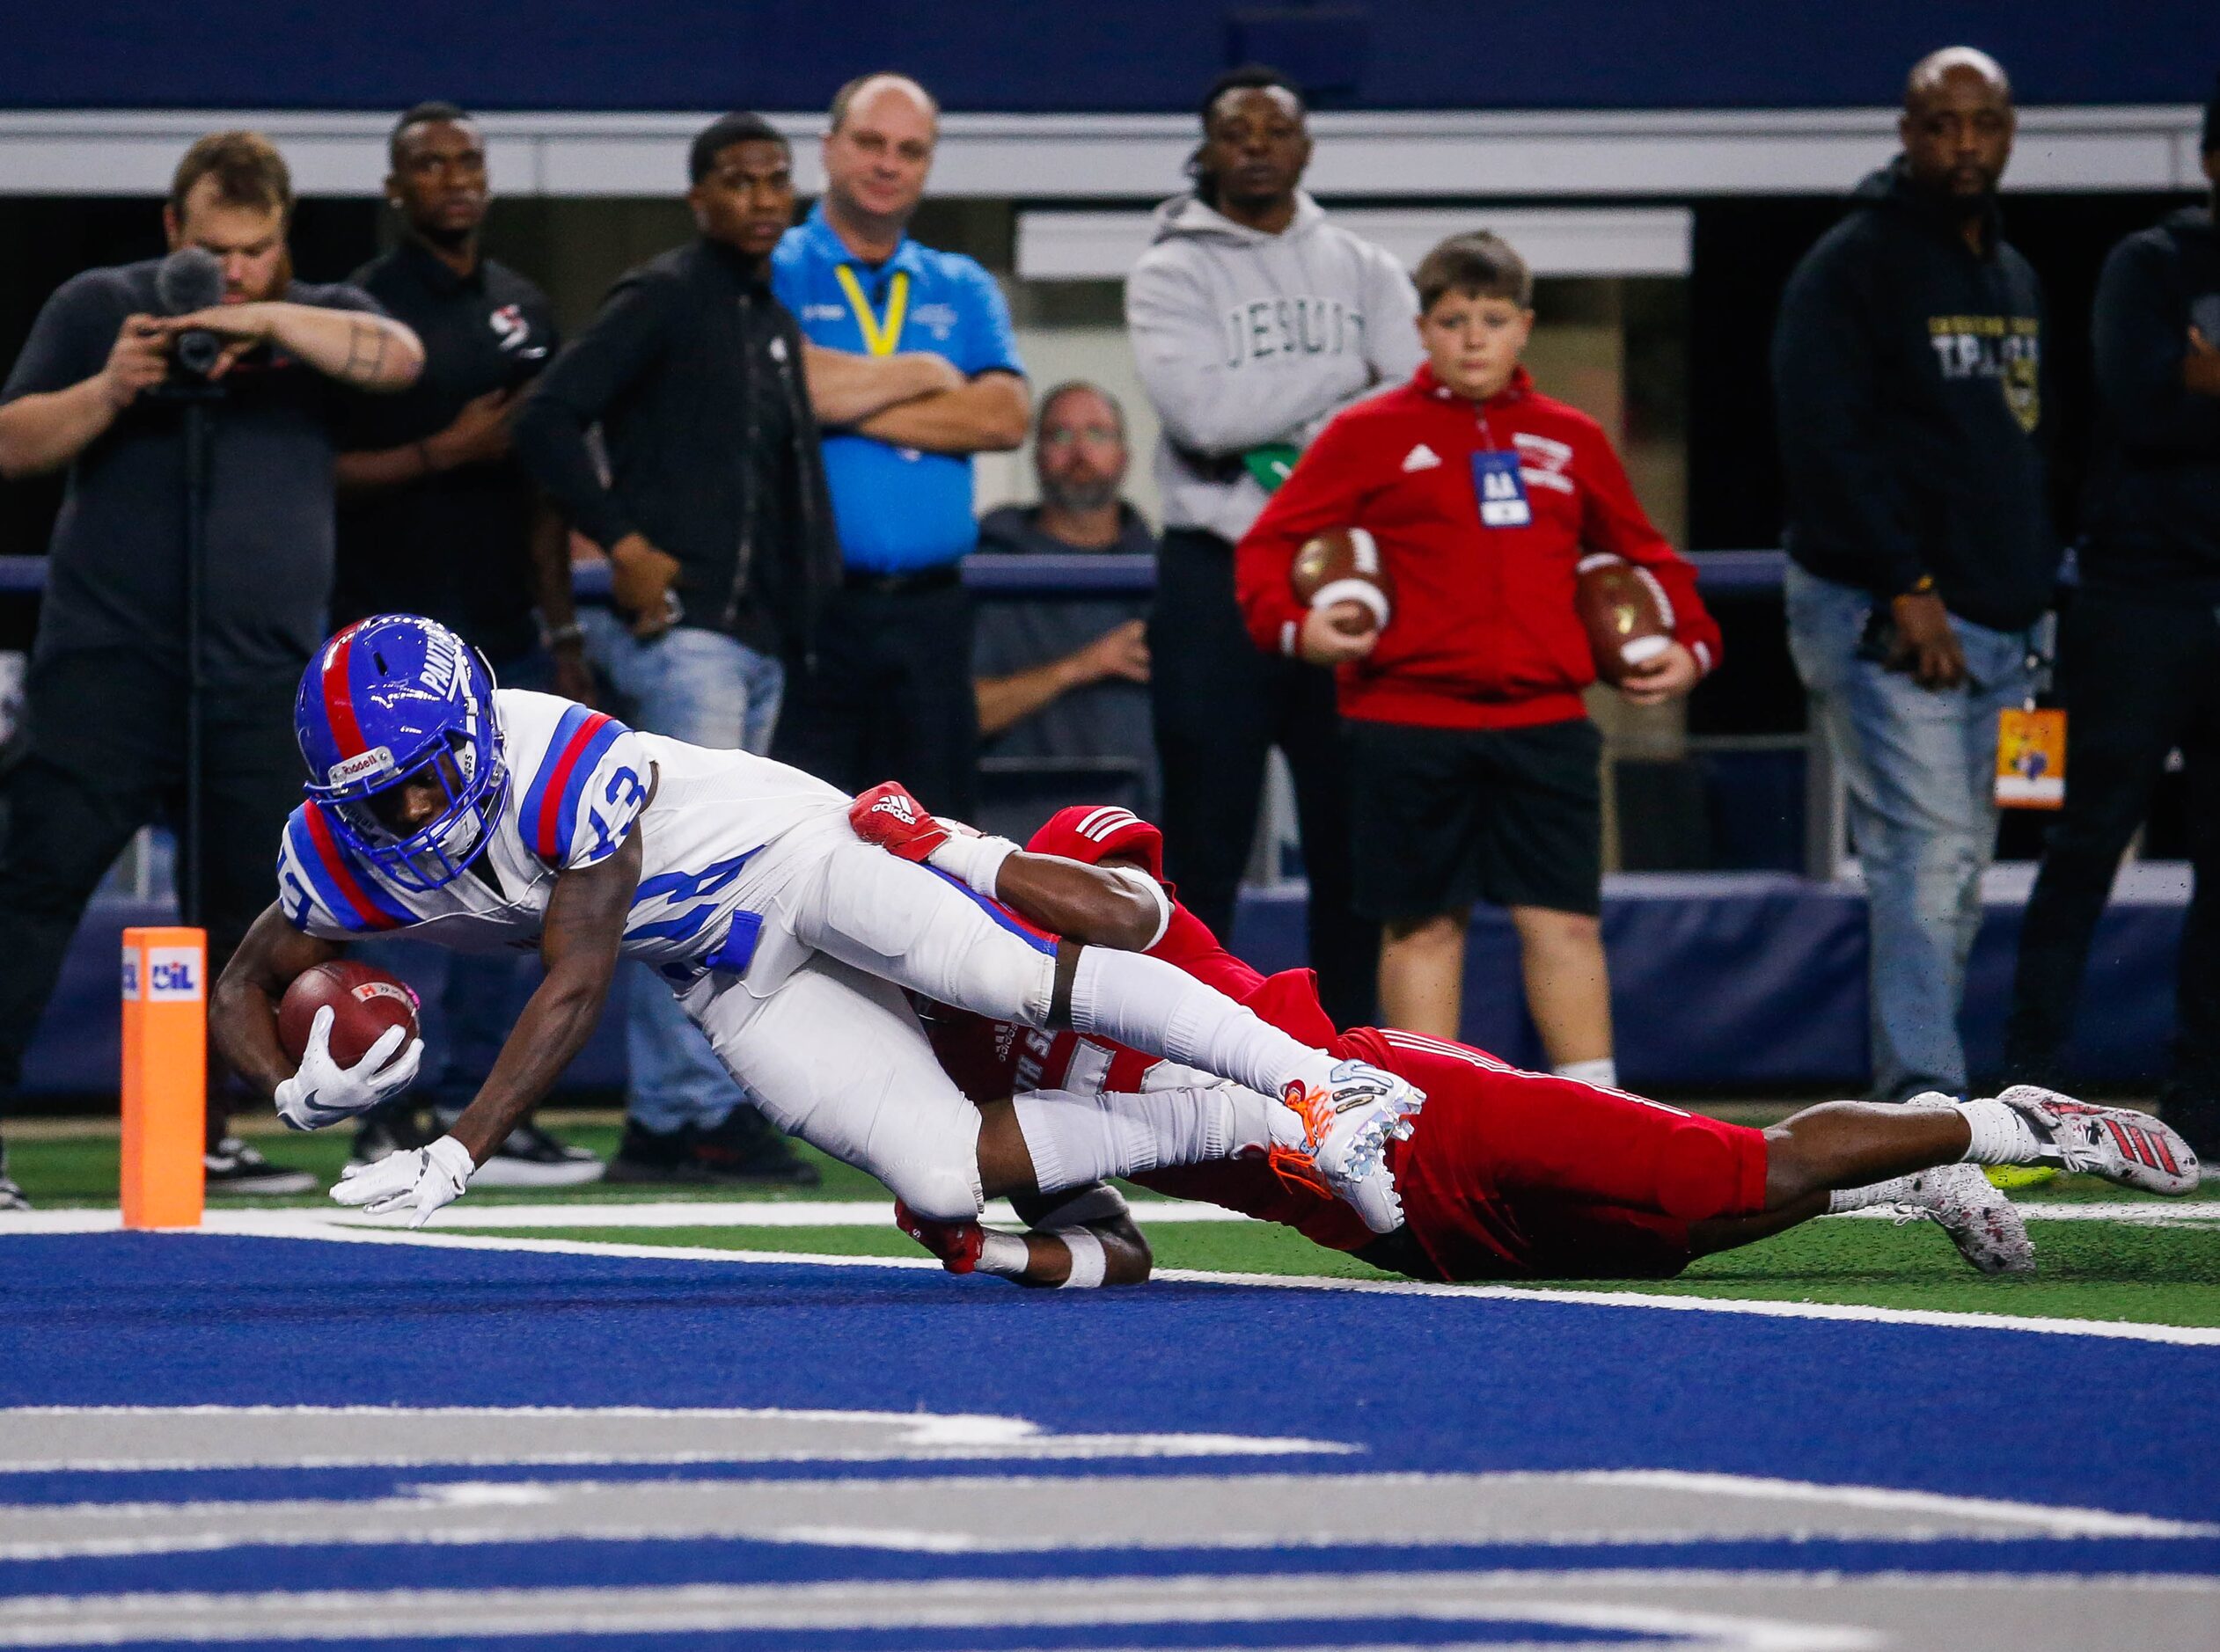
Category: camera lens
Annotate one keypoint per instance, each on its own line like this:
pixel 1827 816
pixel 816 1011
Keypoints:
pixel 195 353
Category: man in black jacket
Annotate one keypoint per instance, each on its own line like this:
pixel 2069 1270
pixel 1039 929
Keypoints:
pixel 2139 655
pixel 719 532
pixel 1908 380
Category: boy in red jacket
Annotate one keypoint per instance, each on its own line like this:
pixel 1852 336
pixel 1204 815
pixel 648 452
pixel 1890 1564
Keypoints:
pixel 1473 761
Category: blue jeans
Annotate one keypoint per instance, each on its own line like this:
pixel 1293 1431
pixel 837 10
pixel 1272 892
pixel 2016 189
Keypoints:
pixel 702 687
pixel 480 996
pixel 1919 765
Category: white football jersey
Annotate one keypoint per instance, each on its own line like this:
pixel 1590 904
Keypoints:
pixel 577 783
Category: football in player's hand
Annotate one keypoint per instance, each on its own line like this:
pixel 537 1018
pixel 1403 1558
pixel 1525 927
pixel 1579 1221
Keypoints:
pixel 1343 564
pixel 1626 613
pixel 364 1000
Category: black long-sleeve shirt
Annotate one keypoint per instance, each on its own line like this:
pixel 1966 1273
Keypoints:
pixel 2154 498
pixel 1909 389
pixel 693 372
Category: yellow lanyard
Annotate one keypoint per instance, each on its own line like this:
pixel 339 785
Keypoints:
pixel 879 337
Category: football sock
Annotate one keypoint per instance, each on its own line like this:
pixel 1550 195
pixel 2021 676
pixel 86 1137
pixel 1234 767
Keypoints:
pixel 1150 1004
pixel 1603 1072
pixel 1004 1255
pixel 1075 1139
pixel 1895 1190
pixel 2000 1136
pixel 1090 1261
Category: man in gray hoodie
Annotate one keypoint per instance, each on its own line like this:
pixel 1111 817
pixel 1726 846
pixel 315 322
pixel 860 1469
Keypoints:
pixel 1255 321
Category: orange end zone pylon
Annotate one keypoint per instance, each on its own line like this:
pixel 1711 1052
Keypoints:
pixel 166 1042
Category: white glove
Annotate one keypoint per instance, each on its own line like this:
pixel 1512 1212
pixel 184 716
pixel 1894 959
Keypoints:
pixel 423 1178
pixel 324 1092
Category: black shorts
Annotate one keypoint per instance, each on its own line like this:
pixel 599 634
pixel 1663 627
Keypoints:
pixel 1444 817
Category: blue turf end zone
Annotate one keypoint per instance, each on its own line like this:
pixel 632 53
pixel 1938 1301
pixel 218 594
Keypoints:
pixel 1420 1382
pixel 1413 1382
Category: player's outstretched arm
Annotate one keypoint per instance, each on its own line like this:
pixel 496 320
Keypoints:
pixel 585 923
pixel 1096 907
pixel 578 945
pixel 1093 905
pixel 243 1009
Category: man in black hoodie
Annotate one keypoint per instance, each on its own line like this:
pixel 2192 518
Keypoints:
pixel 718 530
pixel 2139 657
pixel 1908 377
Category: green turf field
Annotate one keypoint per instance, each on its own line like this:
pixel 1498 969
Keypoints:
pixel 79 1168
pixel 2089 1269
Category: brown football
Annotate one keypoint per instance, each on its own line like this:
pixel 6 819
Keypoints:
pixel 1628 617
pixel 364 1000
pixel 1343 564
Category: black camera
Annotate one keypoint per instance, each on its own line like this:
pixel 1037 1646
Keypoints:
pixel 193 354
pixel 191 278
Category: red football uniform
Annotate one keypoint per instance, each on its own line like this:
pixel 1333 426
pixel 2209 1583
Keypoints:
pixel 1511 1175
pixel 1508 1175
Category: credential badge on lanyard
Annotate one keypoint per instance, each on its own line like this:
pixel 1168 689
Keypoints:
pixel 2031 741
pixel 879 336
pixel 1501 491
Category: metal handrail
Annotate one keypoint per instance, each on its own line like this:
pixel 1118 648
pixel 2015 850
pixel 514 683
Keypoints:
pixel 995 574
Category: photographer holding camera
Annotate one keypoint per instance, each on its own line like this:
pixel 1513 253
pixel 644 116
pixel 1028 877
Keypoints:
pixel 104 387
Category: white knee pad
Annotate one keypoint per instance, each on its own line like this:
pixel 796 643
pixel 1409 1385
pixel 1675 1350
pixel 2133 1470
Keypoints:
pixel 997 972
pixel 835 1057
pixel 913 926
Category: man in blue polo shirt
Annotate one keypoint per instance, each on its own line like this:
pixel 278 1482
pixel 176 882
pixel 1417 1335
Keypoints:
pixel 890 696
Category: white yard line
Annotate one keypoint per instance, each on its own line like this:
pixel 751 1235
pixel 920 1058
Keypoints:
pixel 2192 1336
pixel 752 1213
pixel 2190 1213
pixel 314 1224
pixel 761 1213
pixel 868 1213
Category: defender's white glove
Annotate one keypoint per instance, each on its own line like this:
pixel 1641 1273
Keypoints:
pixel 324 1092
pixel 421 1180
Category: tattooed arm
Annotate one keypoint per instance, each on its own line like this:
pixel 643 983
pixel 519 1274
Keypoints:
pixel 373 353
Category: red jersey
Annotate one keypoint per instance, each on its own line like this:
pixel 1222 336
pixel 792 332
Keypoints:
pixel 1511 1175
pixel 1508 1175
pixel 1484 633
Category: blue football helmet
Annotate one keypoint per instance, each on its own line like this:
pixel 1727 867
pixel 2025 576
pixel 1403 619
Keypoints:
pixel 392 699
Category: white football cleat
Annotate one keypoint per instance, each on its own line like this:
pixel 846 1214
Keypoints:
pixel 1346 1126
pixel 2118 1143
pixel 1985 1226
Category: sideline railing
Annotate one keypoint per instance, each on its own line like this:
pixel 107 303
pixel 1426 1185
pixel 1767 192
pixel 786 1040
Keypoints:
pixel 1723 573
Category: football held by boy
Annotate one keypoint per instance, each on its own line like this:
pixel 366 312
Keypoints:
pixel 1475 765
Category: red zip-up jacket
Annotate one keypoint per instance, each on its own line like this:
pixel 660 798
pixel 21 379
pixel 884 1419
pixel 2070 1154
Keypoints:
pixel 1485 634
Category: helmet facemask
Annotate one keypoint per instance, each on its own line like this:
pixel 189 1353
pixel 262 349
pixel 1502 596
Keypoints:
pixel 435 853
